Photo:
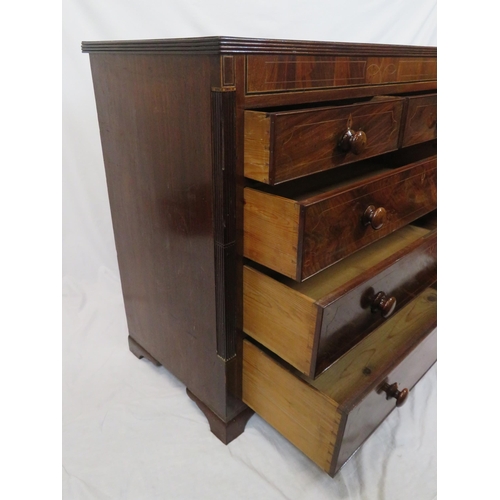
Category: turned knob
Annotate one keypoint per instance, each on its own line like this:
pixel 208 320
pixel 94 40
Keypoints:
pixel 374 217
pixel 393 392
pixel 352 141
pixel 384 304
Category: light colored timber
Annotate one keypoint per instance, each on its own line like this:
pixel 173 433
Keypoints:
pixel 377 350
pixel 282 314
pixel 308 413
pixel 256 151
pixel 302 414
pixel 271 231
pixel 279 317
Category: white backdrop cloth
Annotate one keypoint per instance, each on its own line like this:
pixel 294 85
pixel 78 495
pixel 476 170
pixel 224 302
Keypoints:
pixel 129 429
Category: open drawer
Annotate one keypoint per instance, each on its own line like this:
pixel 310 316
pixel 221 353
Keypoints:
pixel 284 145
pixel 302 228
pixel 313 323
pixel 330 417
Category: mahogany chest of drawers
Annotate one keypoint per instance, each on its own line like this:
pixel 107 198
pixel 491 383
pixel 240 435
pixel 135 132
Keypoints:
pixel 273 204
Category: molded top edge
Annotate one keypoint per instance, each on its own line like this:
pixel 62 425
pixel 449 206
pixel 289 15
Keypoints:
pixel 234 45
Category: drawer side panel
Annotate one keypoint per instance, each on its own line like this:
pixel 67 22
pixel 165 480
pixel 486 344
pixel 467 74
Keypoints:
pixel 271 231
pixel 280 318
pixel 303 415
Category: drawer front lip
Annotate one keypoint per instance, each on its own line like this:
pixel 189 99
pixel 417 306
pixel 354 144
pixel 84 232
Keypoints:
pixel 281 146
pixel 333 227
pixel 346 319
pixel 420 123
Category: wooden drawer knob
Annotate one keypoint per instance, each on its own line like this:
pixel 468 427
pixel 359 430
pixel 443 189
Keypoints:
pixel 385 304
pixel 392 391
pixel 352 141
pixel 374 217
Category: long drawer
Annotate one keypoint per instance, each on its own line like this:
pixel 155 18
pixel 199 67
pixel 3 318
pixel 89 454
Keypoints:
pixel 280 73
pixel 330 417
pixel 313 323
pixel 299 235
pixel 284 145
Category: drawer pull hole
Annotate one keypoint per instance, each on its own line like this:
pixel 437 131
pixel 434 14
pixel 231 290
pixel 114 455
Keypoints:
pixel 352 141
pixel 392 391
pixel 374 217
pixel 385 304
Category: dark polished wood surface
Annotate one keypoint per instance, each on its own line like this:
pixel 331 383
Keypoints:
pixel 292 72
pixel 156 131
pixel 333 223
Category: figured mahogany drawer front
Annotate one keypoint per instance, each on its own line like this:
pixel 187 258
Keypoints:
pixel 285 145
pixel 300 236
pixel 330 417
pixel 279 73
pixel 421 120
pixel 311 324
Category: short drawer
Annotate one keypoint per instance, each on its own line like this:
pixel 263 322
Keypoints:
pixel 330 417
pixel 313 323
pixel 420 124
pixel 284 145
pixel 298 235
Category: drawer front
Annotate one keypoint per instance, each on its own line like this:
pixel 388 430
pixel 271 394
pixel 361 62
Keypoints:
pixel 330 417
pixel 279 73
pixel 352 316
pixel 311 324
pixel 281 146
pixel 421 120
pixel 341 224
pixel 375 407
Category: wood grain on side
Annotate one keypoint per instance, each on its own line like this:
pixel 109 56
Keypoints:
pixel 302 414
pixel 257 152
pixel 271 231
pixel 279 317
